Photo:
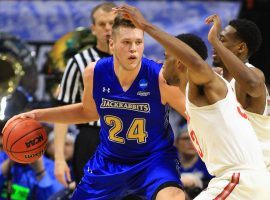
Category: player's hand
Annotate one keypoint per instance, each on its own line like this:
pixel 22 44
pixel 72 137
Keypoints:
pixel 213 35
pixel 62 172
pixel 133 14
pixel 30 114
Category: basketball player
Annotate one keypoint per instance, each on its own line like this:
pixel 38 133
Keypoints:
pixel 130 96
pixel 233 47
pixel 218 127
pixel 71 92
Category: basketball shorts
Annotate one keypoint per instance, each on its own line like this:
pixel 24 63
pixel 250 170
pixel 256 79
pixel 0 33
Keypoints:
pixel 241 185
pixel 105 179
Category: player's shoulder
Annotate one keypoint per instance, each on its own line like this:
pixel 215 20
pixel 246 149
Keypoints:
pixel 89 70
pixel 257 71
pixel 151 62
pixel 101 63
pixel 151 65
pixel 108 59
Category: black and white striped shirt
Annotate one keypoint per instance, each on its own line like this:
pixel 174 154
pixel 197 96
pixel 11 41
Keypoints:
pixel 72 81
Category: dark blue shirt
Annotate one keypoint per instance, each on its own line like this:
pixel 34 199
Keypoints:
pixel 24 176
pixel 198 169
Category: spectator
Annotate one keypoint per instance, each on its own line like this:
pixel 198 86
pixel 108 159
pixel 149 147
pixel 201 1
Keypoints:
pixel 68 149
pixel 194 174
pixel 27 182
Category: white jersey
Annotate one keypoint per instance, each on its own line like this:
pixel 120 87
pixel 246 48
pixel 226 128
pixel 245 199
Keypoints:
pixel 261 125
pixel 267 99
pixel 223 136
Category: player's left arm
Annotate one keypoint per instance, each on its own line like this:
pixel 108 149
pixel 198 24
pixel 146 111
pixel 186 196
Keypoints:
pixel 251 80
pixel 172 95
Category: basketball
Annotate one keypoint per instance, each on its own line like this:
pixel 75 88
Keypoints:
pixel 24 140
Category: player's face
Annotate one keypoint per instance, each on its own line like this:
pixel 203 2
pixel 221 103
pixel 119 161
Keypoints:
pixel 170 70
pixel 229 39
pixel 127 46
pixel 102 27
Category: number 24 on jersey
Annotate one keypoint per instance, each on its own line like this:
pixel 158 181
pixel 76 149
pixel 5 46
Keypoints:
pixel 136 129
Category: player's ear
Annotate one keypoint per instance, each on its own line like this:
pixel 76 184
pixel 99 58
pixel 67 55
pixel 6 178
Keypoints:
pixel 242 47
pixel 111 45
pixel 93 29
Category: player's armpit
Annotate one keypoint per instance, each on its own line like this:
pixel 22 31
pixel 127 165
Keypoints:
pixel 173 96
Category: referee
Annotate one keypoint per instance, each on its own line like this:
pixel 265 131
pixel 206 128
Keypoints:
pixel 71 92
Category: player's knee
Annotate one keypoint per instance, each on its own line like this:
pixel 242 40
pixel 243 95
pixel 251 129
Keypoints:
pixel 170 193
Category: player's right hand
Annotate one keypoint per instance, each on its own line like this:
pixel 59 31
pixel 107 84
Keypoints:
pixel 62 172
pixel 213 35
pixel 30 114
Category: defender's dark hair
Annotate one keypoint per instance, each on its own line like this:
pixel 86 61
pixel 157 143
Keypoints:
pixel 120 21
pixel 248 32
pixel 107 7
pixel 195 42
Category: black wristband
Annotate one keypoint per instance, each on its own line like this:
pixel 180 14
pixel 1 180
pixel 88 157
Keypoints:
pixel 40 172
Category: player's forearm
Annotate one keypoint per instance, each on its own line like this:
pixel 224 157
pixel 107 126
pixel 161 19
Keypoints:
pixel 69 114
pixel 176 47
pixel 60 132
pixel 244 76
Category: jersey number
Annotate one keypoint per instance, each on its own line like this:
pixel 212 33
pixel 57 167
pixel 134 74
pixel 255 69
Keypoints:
pixel 196 143
pixel 136 130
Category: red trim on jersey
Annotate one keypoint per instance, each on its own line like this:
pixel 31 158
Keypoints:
pixel 229 188
pixel 188 117
pixel 242 113
pixel 195 143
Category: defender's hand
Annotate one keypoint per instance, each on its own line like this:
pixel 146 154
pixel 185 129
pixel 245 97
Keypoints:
pixel 213 35
pixel 133 14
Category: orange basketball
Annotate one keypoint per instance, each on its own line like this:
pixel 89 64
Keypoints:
pixel 24 140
